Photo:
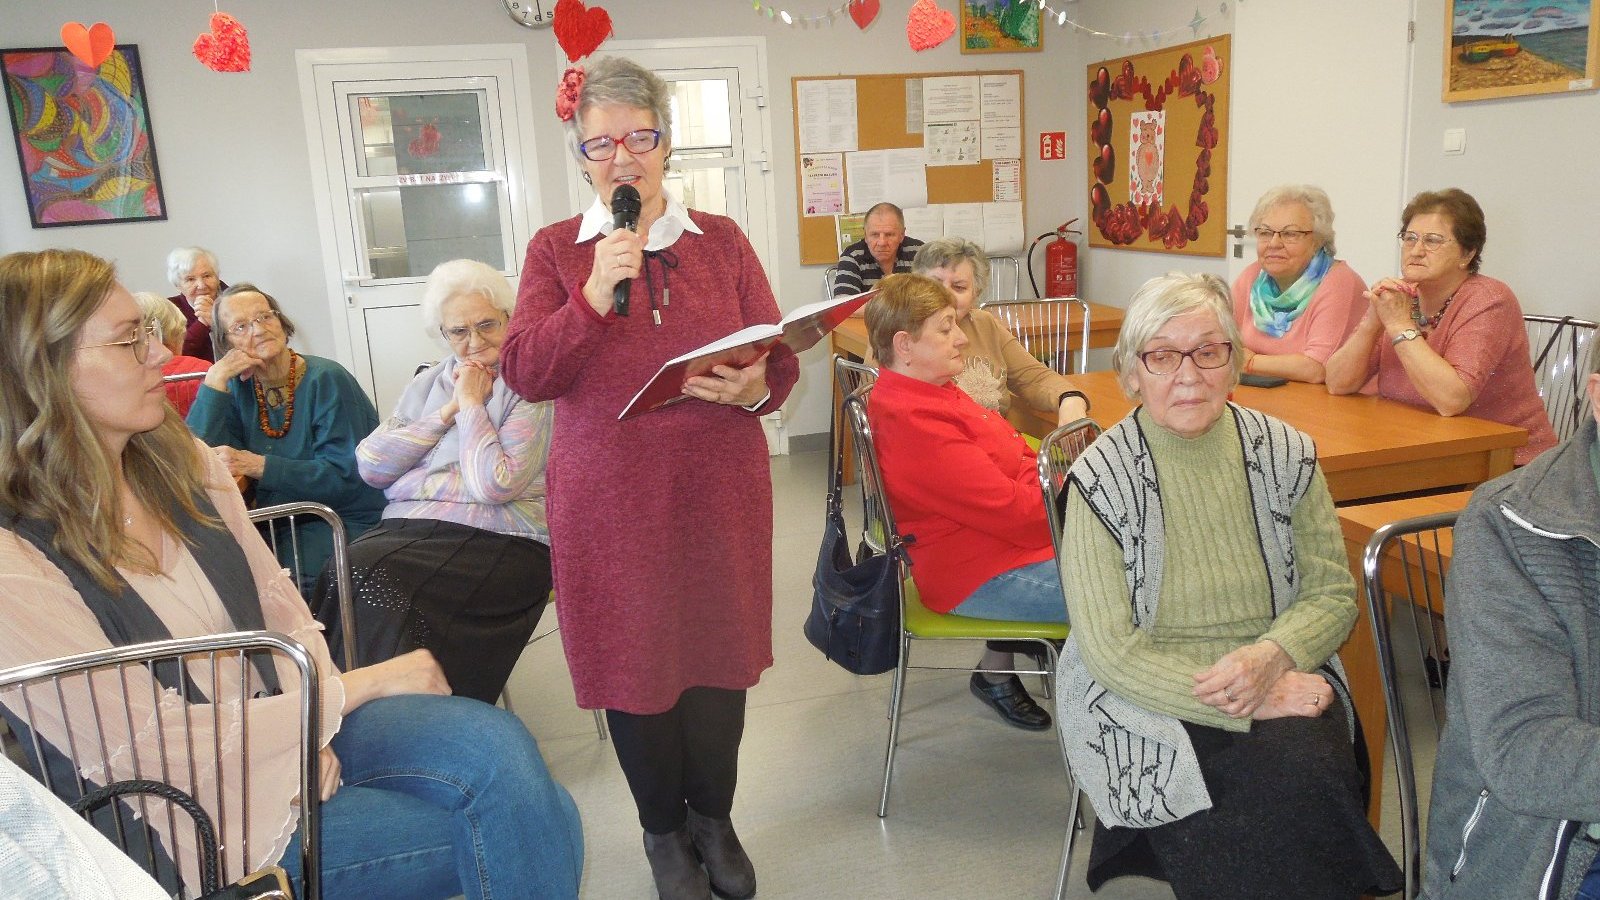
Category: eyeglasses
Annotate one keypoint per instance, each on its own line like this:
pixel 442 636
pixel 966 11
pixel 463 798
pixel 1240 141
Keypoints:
pixel 460 333
pixel 602 148
pixel 244 326
pixel 1430 242
pixel 1289 236
pixel 1214 355
pixel 148 333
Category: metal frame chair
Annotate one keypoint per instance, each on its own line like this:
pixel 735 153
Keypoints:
pixel 1051 343
pixel 505 693
pixel 271 518
pixel 998 264
pixel 1403 570
pixel 827 281
pixel 182 376
pixel 39 691
pixel 917 622
pixel 1560 347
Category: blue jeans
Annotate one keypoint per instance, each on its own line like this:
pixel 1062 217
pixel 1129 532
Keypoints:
pixel 444 796
pixel 1590 889
pixel 1030 593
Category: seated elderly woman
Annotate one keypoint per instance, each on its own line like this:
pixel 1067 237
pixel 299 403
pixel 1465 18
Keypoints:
pixel 1518 773
pixel 1440 335
pixel 193 271
pixel 961 480
pixel 169 324
pixel 289 422
pixel 118 527
pixel 460 563
pixel 1295 304
pixel 1208 595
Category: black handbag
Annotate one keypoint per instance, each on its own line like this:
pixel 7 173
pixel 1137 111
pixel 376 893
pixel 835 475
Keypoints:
pixel 855 604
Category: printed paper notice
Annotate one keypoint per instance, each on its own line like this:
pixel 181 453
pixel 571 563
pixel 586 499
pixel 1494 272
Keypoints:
pixel 964 220
pixel 1002 229
pixel 913 106
pixel 1007 180
pixel 950 98
pixel 1001 116
pixel 951 143
pixel 925 223
pixel 822 184
pixel 827 113
pixel 850 229
pixel 897 176
pixel 1001 141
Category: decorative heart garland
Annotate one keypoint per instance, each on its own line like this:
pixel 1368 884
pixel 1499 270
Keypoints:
pixel 90 45
pixel 226 47
pixel 928 26
pixel 862 12
pixel 580 30
pixel 1127 222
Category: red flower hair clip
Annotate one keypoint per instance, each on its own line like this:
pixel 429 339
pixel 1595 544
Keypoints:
pixel 567 93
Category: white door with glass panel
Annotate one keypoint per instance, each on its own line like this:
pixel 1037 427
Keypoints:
pixel 421 161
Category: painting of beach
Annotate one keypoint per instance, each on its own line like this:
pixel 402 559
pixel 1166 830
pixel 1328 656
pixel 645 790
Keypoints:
pixel 1507 48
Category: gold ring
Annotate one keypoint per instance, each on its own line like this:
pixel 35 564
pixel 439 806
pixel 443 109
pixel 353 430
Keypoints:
pixel 1228 692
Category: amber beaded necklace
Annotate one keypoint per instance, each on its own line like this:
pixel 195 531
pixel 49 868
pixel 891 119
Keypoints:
pixel 295 374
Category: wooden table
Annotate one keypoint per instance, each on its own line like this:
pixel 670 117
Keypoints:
pixel 1105 322
pixel 1358 652
pixel 1369 447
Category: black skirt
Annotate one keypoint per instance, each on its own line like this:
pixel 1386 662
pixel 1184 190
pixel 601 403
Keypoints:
pixel 473 597
pixel 1288 819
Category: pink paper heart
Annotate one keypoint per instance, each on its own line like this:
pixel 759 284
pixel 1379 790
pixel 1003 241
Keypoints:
pixel 226 47
pixel 579 30
pixel 928 25
pixel 90 45
pixel 862 12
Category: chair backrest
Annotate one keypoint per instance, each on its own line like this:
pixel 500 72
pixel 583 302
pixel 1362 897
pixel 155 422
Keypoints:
pixel 1404 567
pixel 90 706
pixel 828 275
pixel 1560 348
pixel 1005 280
pixel 877 528
pixel 278 525
pixel 1057 452
pixel 1044 328
pixel 182 376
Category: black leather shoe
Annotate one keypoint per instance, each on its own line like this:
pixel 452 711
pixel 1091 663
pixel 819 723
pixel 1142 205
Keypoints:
pixel 1011 701
pixel 733 876
pixel 675 866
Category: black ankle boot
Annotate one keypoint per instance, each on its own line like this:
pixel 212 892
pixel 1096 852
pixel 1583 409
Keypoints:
pixel 1011 701
pixel 676 869
pixel 733 876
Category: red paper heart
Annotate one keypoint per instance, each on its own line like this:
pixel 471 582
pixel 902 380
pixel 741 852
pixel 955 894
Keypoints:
pixel 580 31
pixel 928 25
pixel 226 47
pixel 90 45
pixel 862 12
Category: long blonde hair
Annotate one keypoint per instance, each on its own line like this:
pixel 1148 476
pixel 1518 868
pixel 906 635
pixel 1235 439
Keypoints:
pixel 52 464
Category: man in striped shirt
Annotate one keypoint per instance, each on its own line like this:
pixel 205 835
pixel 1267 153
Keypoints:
pixel 885 250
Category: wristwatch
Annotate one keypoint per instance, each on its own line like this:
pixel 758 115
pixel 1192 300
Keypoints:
pixel 1410 334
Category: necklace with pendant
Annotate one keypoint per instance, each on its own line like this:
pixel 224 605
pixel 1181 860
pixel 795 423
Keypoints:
pixel 1428 322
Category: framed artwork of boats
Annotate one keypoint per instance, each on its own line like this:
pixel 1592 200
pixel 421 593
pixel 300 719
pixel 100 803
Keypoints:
pixel 1508 48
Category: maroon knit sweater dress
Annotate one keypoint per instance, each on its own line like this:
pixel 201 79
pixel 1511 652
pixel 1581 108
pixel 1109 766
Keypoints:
pixel 661 525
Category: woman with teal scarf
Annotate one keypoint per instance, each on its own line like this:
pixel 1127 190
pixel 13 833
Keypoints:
pixel 1296 304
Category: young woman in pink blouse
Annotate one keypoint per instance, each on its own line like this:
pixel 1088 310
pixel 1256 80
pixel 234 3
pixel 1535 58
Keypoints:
pixel 1440 335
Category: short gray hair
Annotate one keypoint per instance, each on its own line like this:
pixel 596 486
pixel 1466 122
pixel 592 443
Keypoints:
pixel 1159 301
pixel 161 311
pixel 182 260
pixel 219 336
pixel 1315 199
pixel 949 252
pixel 885 206
pixel 463 276
pixel 616 81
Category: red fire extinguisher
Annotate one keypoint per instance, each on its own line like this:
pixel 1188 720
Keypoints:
pixel 1060 262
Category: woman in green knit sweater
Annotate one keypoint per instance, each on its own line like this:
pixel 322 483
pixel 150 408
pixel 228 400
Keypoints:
pixel 1208 596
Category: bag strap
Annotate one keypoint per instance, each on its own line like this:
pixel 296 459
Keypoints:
pixel 203 827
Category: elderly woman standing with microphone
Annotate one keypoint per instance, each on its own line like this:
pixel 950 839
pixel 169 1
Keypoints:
pixel 1208 596
pixel 662 523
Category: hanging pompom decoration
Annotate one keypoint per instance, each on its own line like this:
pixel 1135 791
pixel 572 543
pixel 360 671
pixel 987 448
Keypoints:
pixel 862 12
pixel 567 93
pixel 90 45
pixel 226 47
pixel 928 26
pixel 580 31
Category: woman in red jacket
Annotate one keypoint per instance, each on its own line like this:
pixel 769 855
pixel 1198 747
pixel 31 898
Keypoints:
pixel 962 482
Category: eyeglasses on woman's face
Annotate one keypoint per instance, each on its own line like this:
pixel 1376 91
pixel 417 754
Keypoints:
pixel 244 326
pixel 1214 355
pixel 144 334
pixel 604 147
pixel 1290 236
pixel 459 334
pixel 1430 242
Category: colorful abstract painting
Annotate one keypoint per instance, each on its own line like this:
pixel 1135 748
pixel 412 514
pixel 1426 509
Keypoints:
pixel 83 136
pixel 1502 48
pixel 1000 26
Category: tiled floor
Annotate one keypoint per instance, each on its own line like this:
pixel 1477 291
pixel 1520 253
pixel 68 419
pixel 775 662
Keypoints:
pixel 978 809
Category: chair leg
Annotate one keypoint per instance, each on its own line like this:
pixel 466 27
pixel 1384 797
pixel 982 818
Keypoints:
pixel 1074 822
pixel 896 696
pixel 600 724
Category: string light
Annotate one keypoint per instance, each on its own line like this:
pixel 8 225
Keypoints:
pixel 1046 13
pixel 802 20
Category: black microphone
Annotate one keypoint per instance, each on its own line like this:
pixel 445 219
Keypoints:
pixel 624 214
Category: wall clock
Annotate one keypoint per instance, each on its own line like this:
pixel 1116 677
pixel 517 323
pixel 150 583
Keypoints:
pixel 531 13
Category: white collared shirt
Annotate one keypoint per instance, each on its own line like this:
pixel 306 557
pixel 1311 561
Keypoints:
pixel 664 232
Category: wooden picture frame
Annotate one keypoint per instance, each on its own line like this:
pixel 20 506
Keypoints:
pixel 57 103
pixel 1501 48
pixel 1001 26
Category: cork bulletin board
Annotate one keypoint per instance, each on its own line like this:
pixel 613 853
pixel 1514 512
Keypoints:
pixel 1158 149
pixel 881 124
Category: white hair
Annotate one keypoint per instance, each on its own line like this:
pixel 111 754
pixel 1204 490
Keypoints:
pixel 463 276
pixel 160 310
pixel 1313 198
pixel 181 261
pixel 1159 301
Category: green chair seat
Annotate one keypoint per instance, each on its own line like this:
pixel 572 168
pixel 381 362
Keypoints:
pixel 923 622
